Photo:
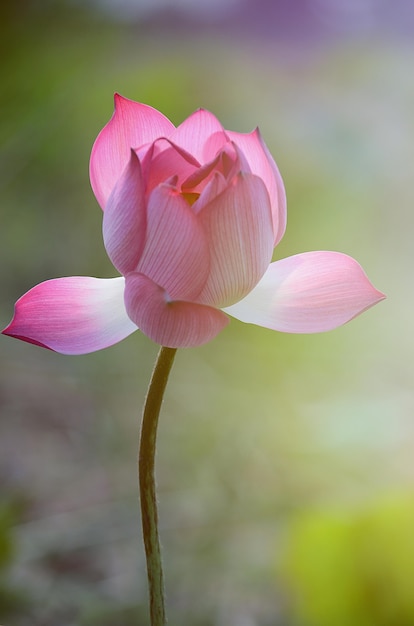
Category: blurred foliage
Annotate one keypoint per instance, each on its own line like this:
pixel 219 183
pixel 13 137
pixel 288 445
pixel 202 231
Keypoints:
pixel 258 428
pixel 354 567
pixel 6 543
pixel 13 600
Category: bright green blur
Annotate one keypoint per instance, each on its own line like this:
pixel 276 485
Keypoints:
pixel 278 455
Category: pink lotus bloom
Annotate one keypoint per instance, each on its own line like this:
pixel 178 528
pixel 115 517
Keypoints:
pixel 191 217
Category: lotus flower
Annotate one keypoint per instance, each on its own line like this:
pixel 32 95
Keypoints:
pixel 191 217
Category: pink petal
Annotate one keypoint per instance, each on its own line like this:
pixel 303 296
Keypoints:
pixel 132 125
pixel 201 135
pixel 226 163
pixel 238 225
pixel 262 164
pixel 200 176
pixel 74 315
pixel 176 254
pixel 124 219
pixel 170 161
pixel 175 324
pixel 308 293
pixel 216 185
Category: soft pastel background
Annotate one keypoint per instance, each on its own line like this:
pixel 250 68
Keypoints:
pixel 285 463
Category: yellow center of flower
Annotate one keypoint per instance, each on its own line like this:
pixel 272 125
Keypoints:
pixel 190 197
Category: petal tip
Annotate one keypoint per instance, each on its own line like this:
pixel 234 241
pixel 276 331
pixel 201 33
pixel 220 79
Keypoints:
pixel 12 330
pixel 381 296
pixel 28 340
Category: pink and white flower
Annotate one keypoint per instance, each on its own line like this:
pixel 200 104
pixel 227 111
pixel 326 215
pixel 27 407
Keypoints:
pixel 191 217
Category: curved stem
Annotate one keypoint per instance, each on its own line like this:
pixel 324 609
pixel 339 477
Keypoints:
pixel 146 465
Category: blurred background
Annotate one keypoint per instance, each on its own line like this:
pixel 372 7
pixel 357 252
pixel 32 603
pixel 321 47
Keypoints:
pixel 285 463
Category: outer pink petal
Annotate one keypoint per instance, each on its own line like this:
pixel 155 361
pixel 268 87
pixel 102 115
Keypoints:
pixel 308 293
pixel 238 225
pixel 132 125
pixel 124 220
pixel 201 135
pixel 74 315
pixel 175 324
pixel 262 164
pixel 176 254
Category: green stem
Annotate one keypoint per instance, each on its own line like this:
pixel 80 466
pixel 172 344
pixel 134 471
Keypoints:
pixel 146 465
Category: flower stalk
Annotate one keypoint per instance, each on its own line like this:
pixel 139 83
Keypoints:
pixel 146 472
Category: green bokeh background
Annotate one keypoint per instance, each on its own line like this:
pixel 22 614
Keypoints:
pixel 285 463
